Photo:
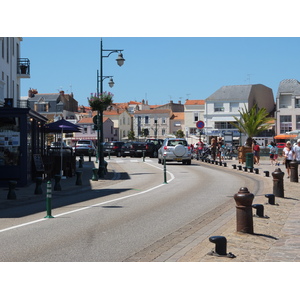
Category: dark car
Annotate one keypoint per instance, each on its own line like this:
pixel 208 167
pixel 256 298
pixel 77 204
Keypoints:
pixel 112 148
pixel 143 148
pixel 57 148
pixel 125 149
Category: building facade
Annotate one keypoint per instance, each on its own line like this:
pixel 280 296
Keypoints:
pixel 288 106
pixel 223 105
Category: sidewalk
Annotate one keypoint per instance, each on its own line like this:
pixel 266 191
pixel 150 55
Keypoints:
pixel 275 239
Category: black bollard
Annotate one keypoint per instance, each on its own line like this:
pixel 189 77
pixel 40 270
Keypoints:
pixel 224 164
pixel 57 186
pixel 256 170
pixel 38 186
pixel 294 171
pixel 267 173
pixel 221 246
pixel 245 169
pixel 259 210
pixel 240 168
pixel 11 190
pixel 278 189
pixel 244 218
pixel 95 174
pixel 251 169
pixel 234 167
pixel 78 178
pixel 271 198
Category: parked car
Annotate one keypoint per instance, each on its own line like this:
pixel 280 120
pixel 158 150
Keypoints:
pixel 157 144
pixel 125 149
pixel 57 147
pixel 112 148
pixel 138 148
pixel 175 149
pixel 85 147
pixel 280 145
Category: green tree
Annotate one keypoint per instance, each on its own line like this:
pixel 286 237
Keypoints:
pixel 131 135
pixel 252 122
pixel 179 133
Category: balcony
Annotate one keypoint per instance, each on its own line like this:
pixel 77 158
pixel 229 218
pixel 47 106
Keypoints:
pixel 23 68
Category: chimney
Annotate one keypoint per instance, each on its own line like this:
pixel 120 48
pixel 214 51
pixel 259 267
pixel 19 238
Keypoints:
pixel 62 93
pixel 30 93
pixel 179 102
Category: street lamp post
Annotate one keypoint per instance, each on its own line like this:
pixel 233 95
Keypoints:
pixel 100 137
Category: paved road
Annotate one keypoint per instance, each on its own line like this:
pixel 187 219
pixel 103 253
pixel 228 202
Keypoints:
pixel 128 217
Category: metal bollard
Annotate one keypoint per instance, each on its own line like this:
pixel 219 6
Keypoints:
pixel 271 198
pixel 259 211
pixel 78 178
pixel 221 246
pixel 244 199
pixel 38 186
pixel 11 190
pixel 144 155
pixel 251 169
pixel 267 173
pixel 57 186
pixel 165 171
pixel 216 162
pixel 81 160
pixel 256 170
pixel 245 169
pixel 278 189
pixel 234 167
pixel 294 171
pixel 95 174
pixel 240 168
pixel 48 200
pixel 224 164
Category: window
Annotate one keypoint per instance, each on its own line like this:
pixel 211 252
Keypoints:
pixel 196 116
pixel 218 107
pixel 146 119
pixel 234 107
pixel 285 124
pixel 297 122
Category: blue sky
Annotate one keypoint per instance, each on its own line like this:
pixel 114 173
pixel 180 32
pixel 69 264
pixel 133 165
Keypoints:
pixel 159 69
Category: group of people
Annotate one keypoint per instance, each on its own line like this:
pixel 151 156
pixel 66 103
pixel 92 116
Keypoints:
pixel 291 153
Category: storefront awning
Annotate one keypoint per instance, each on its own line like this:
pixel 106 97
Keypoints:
pixel 284 136
pixel 223 119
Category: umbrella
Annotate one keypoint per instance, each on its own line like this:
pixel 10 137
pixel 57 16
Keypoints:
pixel 61 126
pixel 58 126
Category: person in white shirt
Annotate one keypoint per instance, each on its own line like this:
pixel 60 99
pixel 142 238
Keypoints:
pixel 288 154
pixel 296 150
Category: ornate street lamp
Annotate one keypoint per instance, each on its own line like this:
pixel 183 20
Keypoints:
pixel 100 138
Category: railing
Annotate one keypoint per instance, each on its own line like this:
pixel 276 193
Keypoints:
pixel 23 67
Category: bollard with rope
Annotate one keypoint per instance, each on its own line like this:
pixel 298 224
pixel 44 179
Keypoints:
pixel 48 200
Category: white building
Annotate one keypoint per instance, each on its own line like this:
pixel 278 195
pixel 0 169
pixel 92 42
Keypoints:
pixel 225 103
pixel 194 111
pixel 288 106
pixel 12 69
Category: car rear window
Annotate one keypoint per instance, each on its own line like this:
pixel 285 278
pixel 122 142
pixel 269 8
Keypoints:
pixel 83 142
pixel 177 142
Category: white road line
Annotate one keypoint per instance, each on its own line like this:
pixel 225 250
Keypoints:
pixel 94 205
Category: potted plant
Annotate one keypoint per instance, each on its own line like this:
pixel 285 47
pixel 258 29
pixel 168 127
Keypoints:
pixel 100 102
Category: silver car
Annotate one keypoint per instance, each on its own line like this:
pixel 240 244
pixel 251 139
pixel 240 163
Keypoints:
pixel 175 149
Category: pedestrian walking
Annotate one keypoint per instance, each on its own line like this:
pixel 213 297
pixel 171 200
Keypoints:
pixel 272 153
pixel 256 152
pixel 213 148
pixel 288 154
pixel 219 147
pixel 296 150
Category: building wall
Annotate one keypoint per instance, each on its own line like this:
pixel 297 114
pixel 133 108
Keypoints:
pixel 9 78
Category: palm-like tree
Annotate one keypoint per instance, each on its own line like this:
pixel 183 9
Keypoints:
pixel 252 122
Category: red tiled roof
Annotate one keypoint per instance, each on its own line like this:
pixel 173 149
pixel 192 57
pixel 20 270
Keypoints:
pixel 194 102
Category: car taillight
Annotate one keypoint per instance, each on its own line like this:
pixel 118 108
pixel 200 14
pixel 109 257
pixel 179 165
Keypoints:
pixel 165 147
pixel 147 147
pixel 189 148
pixel 115 147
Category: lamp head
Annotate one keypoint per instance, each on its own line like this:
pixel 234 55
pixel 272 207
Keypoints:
pixel 120 60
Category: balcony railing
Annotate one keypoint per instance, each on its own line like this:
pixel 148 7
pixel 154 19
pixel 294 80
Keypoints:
pixel 23 67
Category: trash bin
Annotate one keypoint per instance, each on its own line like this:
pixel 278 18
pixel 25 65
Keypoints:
pixel 249 160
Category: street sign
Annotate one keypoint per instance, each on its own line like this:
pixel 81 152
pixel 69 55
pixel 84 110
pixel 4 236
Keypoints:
pixel 200 124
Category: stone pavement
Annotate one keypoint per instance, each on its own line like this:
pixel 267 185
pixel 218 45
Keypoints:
pixel 275 239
